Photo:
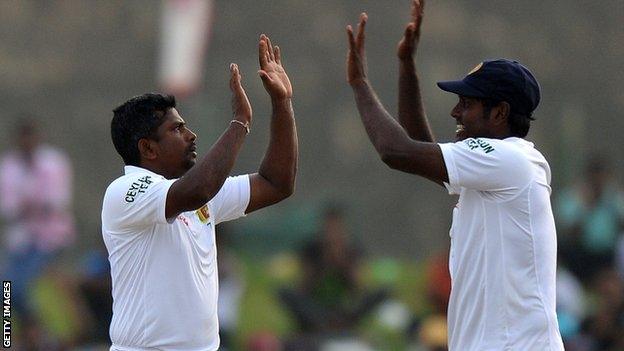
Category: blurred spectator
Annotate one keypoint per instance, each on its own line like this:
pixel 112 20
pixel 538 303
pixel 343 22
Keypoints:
pixel 95 289
pixel 434 331
pixel 231 288
pixel 430 332
pixel 619 257
pixel 591 219
pixel 570 304
pixel 263 341
pixel 603 329
pixel 439 282
pixel 35 188
pixel 329 301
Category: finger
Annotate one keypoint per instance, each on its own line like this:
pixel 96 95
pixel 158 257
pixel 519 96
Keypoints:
pixel 278 55
pixel 262 51
pixel 409 31
pixel 350 37
pixel 415 8
pixel 234 77
pixel 270 47
pixel 418 11
pixel 361 34
pixel 237 85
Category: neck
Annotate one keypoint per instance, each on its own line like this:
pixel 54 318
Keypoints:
pixel 501 134
pixel 158 170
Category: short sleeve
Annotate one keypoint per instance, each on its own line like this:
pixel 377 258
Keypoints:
pixel 135 201
pixel 452 189
pixel 486 165
pixel 232 199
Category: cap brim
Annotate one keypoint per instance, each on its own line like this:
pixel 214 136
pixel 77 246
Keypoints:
pixel 460 87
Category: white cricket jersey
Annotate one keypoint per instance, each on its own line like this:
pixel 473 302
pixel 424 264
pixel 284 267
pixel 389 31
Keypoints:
pixel 503 247
pixel 164 272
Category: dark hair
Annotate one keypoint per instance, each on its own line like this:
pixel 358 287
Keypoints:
pixel 136 119
pixel 518 123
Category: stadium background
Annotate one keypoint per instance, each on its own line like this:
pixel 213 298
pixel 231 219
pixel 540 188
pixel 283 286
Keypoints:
pixel 70 62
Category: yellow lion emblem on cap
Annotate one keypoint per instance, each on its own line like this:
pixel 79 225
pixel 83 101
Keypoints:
pixel 477 67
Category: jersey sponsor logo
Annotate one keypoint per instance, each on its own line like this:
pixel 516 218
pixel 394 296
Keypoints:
pixel 183 219
pixel 203 214
pixel 478 143
pixel 138 187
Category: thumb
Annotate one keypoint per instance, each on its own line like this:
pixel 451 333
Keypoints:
pixel 264 76
pixel 409 31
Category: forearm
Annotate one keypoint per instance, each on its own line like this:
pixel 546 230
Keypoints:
pixel 383 130
pixel 202 182
pixel 392 143
pixel 279 165
pixel 411 109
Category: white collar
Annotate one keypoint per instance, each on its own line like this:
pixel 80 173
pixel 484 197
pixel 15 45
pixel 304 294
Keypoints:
pixel 137 169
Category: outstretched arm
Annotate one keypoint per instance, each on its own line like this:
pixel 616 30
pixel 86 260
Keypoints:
pixel 411 109
pixel 394 146
pixel 202 182
pixel 275 179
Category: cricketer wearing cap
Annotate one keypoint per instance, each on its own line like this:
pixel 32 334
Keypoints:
pixel 158 220
pixel 503 240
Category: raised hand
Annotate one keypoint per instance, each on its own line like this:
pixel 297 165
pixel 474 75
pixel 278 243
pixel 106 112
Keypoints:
pixel 272 73
pixel 408 44
pixel 241 108
pixel 356 57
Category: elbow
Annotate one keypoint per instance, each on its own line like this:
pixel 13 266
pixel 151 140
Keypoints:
pixel 389 156
pixel 287 188
pixel 396 153
pixel 287 191
pixel 397 160
pixel 389 159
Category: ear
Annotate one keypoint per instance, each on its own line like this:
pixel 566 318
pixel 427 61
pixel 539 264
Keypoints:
pixel 500 113
pixel 148 149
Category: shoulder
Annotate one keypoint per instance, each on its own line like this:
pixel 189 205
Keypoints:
pixel 492 150
pixel 9 158
pixel 498 156
pixel 493 147
pixel 502 149
pixel 53 159
pixel 52 153
pixel 117 187
pixel 130 187
pixel 481 145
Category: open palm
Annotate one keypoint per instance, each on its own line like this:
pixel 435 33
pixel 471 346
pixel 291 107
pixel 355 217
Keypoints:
pixel 411 37
pixel 271 71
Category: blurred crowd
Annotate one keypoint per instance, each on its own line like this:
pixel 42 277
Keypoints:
pixel 590 216
pixel 326 293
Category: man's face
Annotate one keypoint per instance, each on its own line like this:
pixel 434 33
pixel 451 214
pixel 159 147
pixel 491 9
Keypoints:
pixel 176 145
pixel 470 118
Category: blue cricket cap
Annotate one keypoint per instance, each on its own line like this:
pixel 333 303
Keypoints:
pixel 501 80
